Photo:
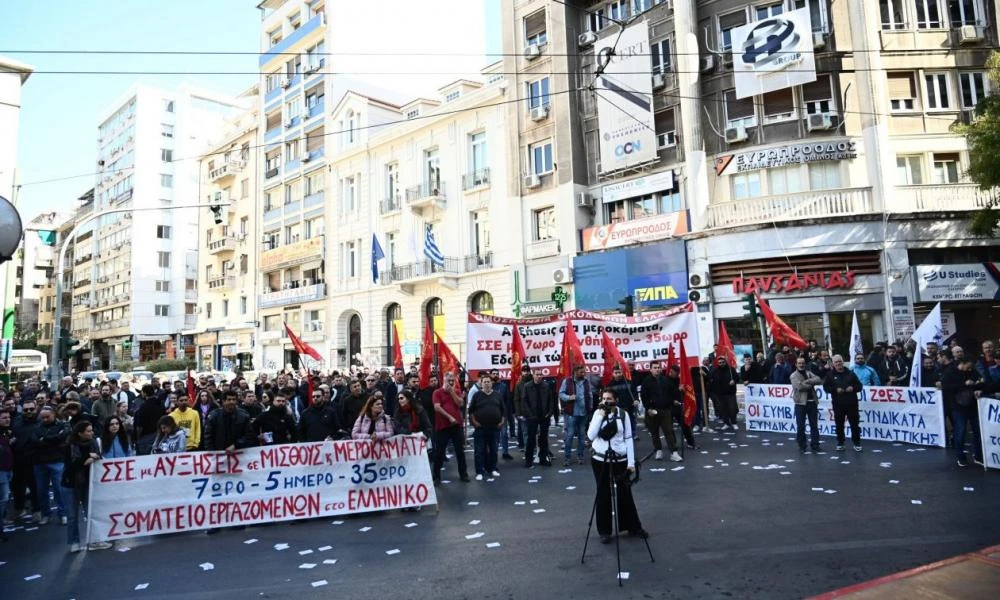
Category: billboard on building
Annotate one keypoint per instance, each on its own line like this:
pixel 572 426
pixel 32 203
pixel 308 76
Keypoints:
pixel 655 274
pixel 625 99
pixel 773 54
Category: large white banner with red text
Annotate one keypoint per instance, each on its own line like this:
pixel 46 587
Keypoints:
pixel 887 414
pixel 167 493
pixel 640 339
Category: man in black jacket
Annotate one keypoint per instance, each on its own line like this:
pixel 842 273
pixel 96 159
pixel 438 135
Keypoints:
pixel 894 370
pixel 658 397
pixel 536 406
pixel 722 384
pixel 276 425
pixel 844 388
pixel 752 371
pixel 320 421
pixel 47 448
pixel 24 427
pixel 228 428
pixel 350 407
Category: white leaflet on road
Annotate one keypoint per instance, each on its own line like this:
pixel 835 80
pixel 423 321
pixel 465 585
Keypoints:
pixel 724 465
pixel 408 525
pixel 475 522
pixel 304 552
pixel 845 462
pixel 830 491
pixel 281 546
pixel 141 586
pixel 519 502
pixel 473 536
pixel 709 466
pixel 885 465
pixel 493 545
pixel 31 577
pixel 122 549
pixel 785 473
pixel 337 523
pixel 681 468
pixel 307 566
pixel 916 501
pixel 324 548
pixel 565 470
pixel 657 470
pixel 743 464
pixel 473 503
pixel 966 489
pixel 532 501
pixel 206 566
pixel 393 551
pixel 319 583
pixel 817 489
pixel 789 460
pixel 624 574
pixel 365 529
pixel 330 561
pixel 538 510
pixel 894 481
pixel 570 487
pixel 250 541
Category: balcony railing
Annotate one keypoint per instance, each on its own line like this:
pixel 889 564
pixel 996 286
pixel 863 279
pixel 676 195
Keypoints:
pixel 426 195
pixel 390 205
pixel 225 170
pixel 190 321
pixel 226 244
pixel 293 38
pixel 790 207
pixel 424 268
pixel 219 282
pixel 476 179
pixel 961 196
pixel 82 259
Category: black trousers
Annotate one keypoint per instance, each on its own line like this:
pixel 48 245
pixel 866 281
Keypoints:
pixel 23 480
pixel 537 435
pixel 628 516
pixel 847 410
pixel 454 435
pixel 663 419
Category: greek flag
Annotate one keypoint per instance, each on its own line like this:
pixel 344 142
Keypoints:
pixel 431 250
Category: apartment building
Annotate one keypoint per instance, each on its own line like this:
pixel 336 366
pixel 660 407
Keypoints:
pixel 35 261
pixel 831 180
pixel 223 303
pixel 148 146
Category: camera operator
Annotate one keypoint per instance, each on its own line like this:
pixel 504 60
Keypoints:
pixel 614 454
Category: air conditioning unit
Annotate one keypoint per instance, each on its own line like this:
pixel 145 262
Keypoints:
pixel 311 67
pixel 289 123
pixel 241 236
pixel 285 82
pixel 819 122
pixel 700 296
pixel 306 282
pixel 532 181
pixel 562 275
pixel 697 280
pixel 819 40
pixel 707 63
pixel 532 52
pixel 584 200
pixel 540 112
pixel 659 81
pixel 306 157
pixel 735 135
pixel 971 34
pixel 287 285
pixel 585 39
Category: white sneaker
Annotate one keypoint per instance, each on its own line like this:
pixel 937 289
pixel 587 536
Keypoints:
pixel 99 546
pixel 675 457
pixel 495 473
pixel 736 427
pixel 724 428
pixel 62 520
pixel 479 476
pixel 74 548
pixel 659 455
pixel 696 429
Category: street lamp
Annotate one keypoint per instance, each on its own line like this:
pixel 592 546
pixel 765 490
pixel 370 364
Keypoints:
pixel 11 230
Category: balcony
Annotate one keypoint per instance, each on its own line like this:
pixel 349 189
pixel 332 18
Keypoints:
pixel 390 205
pixel 292 254
pixel 271 173
pixel 294 294
pixel 273 135
pixel 226 244
pixel 476 179
pixel 427 195
pixel 272 212
pixel 191 295
pixel 277 50
pixel 314 199
pixel 190 321
pixel 227 169
pixel 791 207
pixel 82 259
pixel 950 197
pixel 222 282
pixel 425 269
pixel 315 110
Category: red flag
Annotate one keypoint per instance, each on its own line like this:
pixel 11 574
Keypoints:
pixel 448 362
pixel 612 358
pixel 572 353
pixel 309 388
pixel 671 358
pixel 302 347
pixel 190 388
pixel 517 355
pixel 726 345
pixel 397 350
pixel 690 406
pixel 426 356
pixel 781 332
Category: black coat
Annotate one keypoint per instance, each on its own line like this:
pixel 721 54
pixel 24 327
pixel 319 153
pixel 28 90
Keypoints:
pixel 48 443
pixel 318 423
pixel 403 421
pixel 350 408
pixel 844 379
pixel 279 423
pixel 657 392
pixel 719 381
pixel 538 401
pixel 223 430
pixel 754 373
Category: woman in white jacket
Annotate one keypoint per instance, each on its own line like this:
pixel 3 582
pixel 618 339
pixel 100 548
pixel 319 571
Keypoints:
pixel 610 429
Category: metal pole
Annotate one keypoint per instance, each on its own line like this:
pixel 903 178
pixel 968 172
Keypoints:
pixel 55 369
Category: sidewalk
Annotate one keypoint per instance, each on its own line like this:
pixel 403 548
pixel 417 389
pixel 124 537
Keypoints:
pixel 973 575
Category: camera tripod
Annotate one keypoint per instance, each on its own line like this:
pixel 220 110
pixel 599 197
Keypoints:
pixel 608 475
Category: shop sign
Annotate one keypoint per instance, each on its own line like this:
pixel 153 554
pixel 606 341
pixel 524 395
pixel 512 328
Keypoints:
pixel 640 186
pixel 293 295
pixel 958 283
pixel 207 339
pixel 795 282
pixel 781 156
pixel 659 289
pixel 534 309
pixel 628 233
pixel 292 254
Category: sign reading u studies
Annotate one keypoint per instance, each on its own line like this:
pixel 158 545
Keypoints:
pixel 625 99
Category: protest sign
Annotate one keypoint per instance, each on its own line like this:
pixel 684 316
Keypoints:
pixel 887 414
pixel 168 493
pixel 989 431
pixel 640 339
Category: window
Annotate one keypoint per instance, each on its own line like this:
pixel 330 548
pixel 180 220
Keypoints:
pixel 350 123
pixel 541 158
pixel 824 175
pixel 315 182
pixel 817 13
pixel 534 29
pixel 244 189
pixel 274 36
pixel 166 155
pixel 392 190
pixel 481 232
pixel 666 130
pixel 293 109
pixel 937 91
pixel 295 21
pixel 413 113
pixel 945 168
pixel 779 106
pixel 244 264
pixel 432 169
pixel 208 271
pixel 746 185
pixel 163 259
pixel 726 25
pixel 784 180
pixel 928 14
pixel 166 180
pixel 351 267
pixel 818 96
pixel 166 130
pixel 452 96
pixel 639 6
pixel 544 223
pixel 909 170
pixel 313 227
pixel 661 56
pixel 225 308
pixel 477 155
pixel 962 12
pixel 902 91
pixel 293 191
pixel 163 232
pixel 163 286
pixel 538 93
pixel 161 310
pixel 618 10
pixel 390 248
pixel 292 149
pixel 348 201
pixel 768 10
pixel 596 20
pixel 243 305
pixel 168 105
pixel 893 16
pixel 739 111
pixel 208 310
pixel 975 87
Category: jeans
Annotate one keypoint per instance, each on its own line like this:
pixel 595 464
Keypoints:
pixel 503 440
pixel 521 426
pixel 810 410
pixel 574 428
pixel 485 453
pixel 454 435
pixel 960 417
pixel 49 475
pixel 537 432
pixel 849 411
pixel 5 477
pixel 74 507
pixel 663 419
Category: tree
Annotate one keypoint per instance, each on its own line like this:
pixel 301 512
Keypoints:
pixel 983 138
pixel 25 340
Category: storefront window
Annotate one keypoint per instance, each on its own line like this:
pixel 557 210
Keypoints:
pixel 824 175
pixel 746 185
pixel 644 206
pixel 671 202
pixel 615 212
pixel 840 331
pixel 785 180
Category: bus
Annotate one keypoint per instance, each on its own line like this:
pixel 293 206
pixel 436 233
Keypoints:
pixel 27 363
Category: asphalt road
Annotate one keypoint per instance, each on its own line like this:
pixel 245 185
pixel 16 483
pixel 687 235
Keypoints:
pixel 746 517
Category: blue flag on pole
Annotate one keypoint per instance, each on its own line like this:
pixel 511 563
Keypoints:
pixel 431 250
pixel 377 255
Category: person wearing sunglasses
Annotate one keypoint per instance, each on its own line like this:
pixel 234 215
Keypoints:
pixel 319 422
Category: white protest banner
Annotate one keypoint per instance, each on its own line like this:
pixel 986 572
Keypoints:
pixel 640 339
pixel 989 431
pixel 168 493
pixel 888 414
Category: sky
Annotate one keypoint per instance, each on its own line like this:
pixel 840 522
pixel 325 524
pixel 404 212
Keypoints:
pixel 60 112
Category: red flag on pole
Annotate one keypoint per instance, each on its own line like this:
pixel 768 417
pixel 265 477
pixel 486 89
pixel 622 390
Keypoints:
pixel 726 345
pixel 448 362
pixel 426 356
pixel 781 332
pixel 397 350
pixel 517 355
pixel 690 405
pixel 302 347
pixel 612 358
pixel 310 386
pixel 671 358
pixel 572 353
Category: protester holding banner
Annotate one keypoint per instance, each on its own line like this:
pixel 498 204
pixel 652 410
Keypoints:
pixel 677 411
pixel 804 384
pixel 844 387
pixel 276 425
pixel 576 400
pixel 228 428
pixel 170 438
pixel 189 420
pixel 411 417
pixel 373 424
pixel 115 442
pixel 866 375
pixel 959 384
pixel 82 450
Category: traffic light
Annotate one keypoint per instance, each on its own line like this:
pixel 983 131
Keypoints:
pixel 66 344
pixel 750 306
pixel 217 213
pixel 629 303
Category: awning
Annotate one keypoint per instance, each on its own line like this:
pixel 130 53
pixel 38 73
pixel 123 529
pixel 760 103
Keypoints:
pixel 153 338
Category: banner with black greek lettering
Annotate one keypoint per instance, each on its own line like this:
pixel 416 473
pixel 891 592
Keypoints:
pixel 640 339
pixel 887 414
pixel 989 431
pixel 168 493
